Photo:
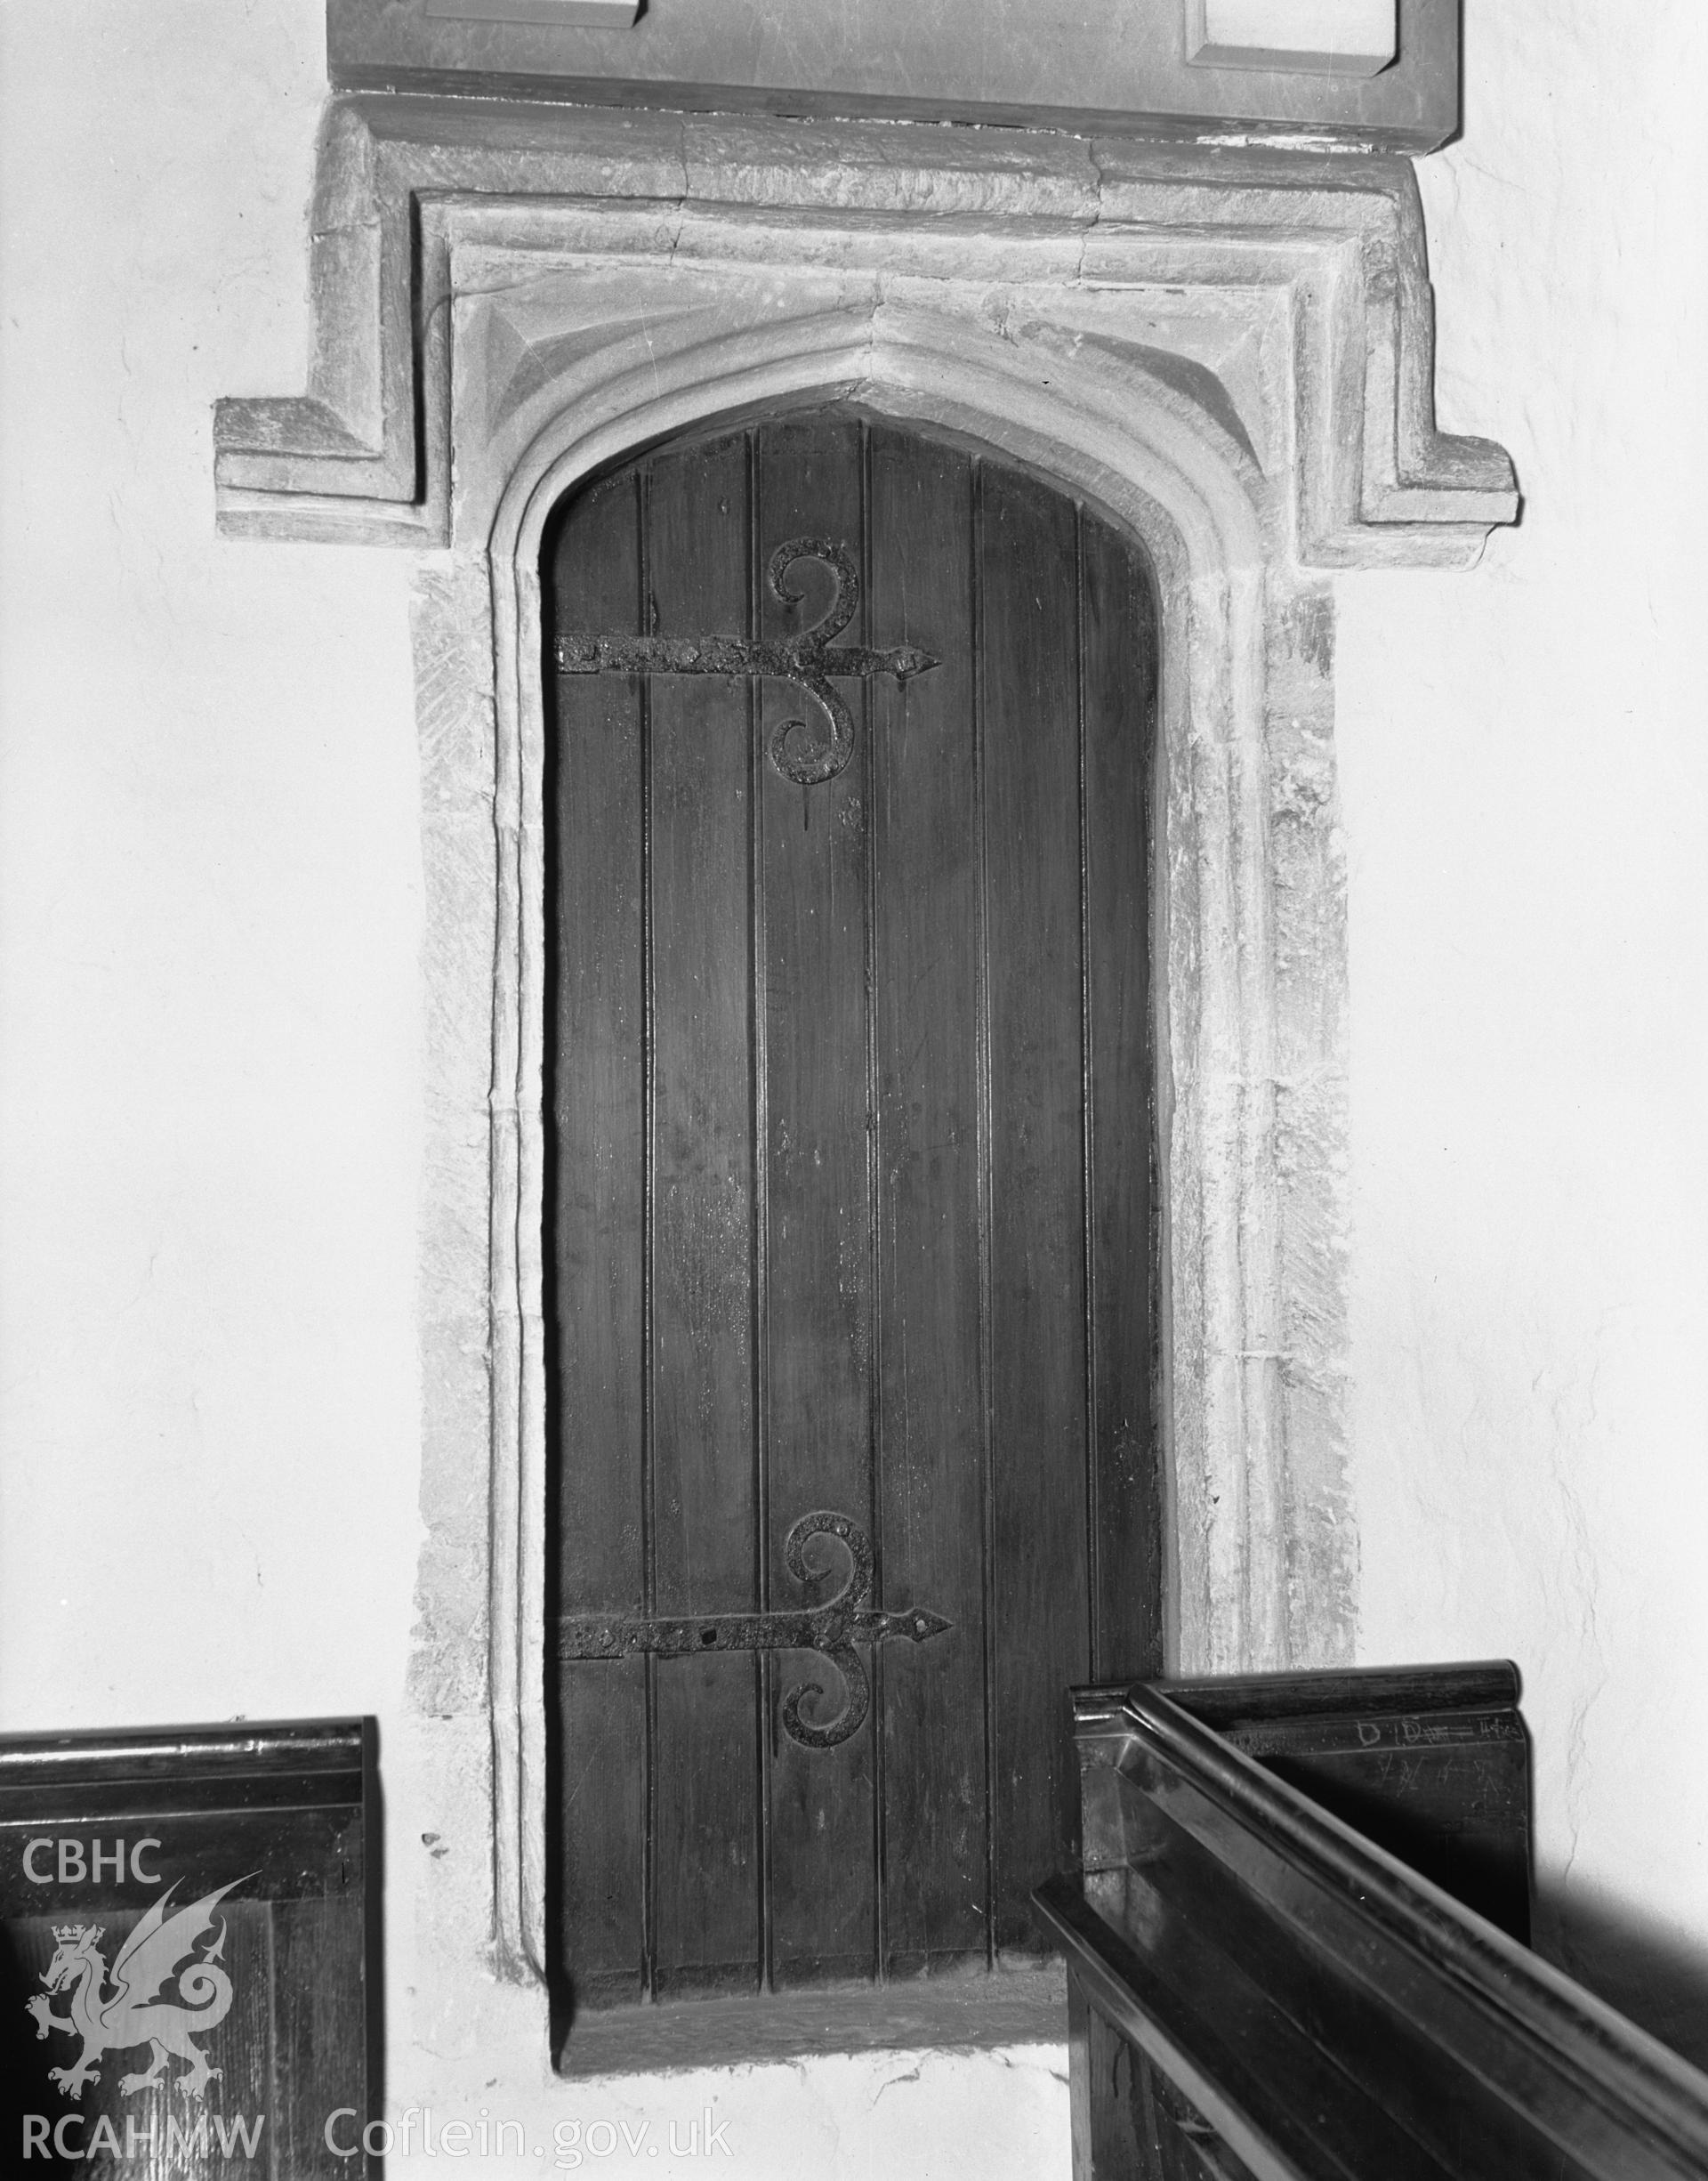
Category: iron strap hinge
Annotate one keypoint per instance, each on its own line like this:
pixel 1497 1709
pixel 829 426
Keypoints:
pixel 832 1629
pixel 806 660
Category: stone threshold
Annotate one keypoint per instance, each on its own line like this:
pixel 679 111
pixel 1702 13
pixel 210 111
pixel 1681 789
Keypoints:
pixel 971 2012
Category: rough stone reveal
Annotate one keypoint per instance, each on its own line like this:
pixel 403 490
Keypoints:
pixel 1228 353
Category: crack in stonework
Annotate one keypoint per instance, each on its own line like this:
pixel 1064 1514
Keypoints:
pixel 1098 183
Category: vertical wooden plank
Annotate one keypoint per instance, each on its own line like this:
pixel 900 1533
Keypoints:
pixel 175 2136
pixel 1081 2088
pixel 596 1190
pixel 819 1233
pixel 1031 766
pixel 317 1944
pixel 1109 2083
pixel 926 999
pixel 704 1794
pixel 1118 677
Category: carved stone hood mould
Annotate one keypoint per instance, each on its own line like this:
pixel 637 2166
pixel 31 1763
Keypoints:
pixel 1281 297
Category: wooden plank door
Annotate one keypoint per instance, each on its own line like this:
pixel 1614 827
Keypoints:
pixel 850 1198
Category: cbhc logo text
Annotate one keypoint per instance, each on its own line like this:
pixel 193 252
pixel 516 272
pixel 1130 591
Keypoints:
pixel 66 1864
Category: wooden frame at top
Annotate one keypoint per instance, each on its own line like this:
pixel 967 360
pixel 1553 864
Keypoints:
pixel 1125 69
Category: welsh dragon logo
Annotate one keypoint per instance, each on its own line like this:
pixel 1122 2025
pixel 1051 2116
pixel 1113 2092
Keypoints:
pixel 160 1948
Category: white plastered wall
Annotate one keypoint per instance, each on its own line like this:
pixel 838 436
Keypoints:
pixel 210 903
pixel 209 1081
pixel 1523 759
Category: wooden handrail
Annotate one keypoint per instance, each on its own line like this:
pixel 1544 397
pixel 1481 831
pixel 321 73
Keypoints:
pixel 1294 1997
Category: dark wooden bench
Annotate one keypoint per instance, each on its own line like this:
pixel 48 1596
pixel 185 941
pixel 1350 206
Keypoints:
pixel 1295 1948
